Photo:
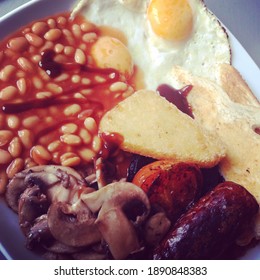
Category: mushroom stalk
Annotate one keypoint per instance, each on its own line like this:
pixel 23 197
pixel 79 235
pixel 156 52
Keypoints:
pixel 120 207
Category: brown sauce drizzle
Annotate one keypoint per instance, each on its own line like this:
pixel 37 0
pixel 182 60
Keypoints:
pixel 47 63
pixel 110 144
pixel 54 69
pixel 178 97
pixel 11 108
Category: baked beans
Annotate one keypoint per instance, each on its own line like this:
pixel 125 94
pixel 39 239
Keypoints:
pixel 52 95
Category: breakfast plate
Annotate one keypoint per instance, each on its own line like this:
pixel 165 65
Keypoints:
pixel 12 241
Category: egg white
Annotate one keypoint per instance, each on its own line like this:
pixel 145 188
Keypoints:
pixel 154 56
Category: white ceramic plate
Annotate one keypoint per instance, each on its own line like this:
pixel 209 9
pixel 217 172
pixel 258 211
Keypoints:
pixel 12 241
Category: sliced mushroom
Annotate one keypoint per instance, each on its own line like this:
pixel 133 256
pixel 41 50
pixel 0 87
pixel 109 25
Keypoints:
pixel 73 225
pixel 120 206
pixel 155 228
pixel 39 233
pixel 32 204
pixel 58 182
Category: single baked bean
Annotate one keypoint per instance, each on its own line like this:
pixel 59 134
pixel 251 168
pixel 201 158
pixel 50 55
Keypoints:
pixel 71 139
pixel 20 74
pixel 22 85
pixel 78 95
pixel 85 113
pixel 96 144
pixel 51 22
pixel 56 157
pixel 7 73
pixel 100 79
pixel 86 81
pixel 58 48
pixel 87 26
pixel 60 58
pixel 5 137
pixel 86 154
pixel 69 128
pixel 53 111
pixel 90 124
pixel 70 159
pixel 48 45
pixel 75 79
pixel 54 146
pixel 76 30
pixel 40 154
pixel 13 121
pixel 34 40
pixel 44 75
pixel 128 92
pixel 37 82
pixel 28 163
pixel 11 54
pixel 68 50
pixel 8 93
pixel 118 86
pixel 26 138
pixel 53 34
pixel 18 44
pixel 36 58
pixel 40 28
pixel 15 147
pixel 31 121
pixel 68 36
pixel 72 110
pixel 43 94
pixel 83 47
pixel 85 136
pixel 80 57
pixel 54 88
pixel 62 77
pixel 50 119
pixel 5 157
pixel 61 21
pixel 3 181
pixel 14 167
pixel 90 37
pixel 25 64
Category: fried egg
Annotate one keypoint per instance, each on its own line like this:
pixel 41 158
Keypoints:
pixel 161 34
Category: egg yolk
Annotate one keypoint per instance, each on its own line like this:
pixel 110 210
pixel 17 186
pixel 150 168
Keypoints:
pixel 170 19
pixel 109 52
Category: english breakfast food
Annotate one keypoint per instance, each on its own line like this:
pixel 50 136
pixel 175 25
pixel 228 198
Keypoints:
pixel 124 134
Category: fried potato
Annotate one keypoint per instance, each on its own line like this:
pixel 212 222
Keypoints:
pixel 152 126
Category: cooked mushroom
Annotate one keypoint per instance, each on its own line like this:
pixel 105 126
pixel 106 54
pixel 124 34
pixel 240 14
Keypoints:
pixel 155 228
pixel 73 224
pixel 39 233
pixel 58 182
pixel 32 204
pixel 120 206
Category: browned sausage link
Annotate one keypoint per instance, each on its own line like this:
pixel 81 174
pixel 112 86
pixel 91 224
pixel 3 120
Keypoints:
pixel 210 226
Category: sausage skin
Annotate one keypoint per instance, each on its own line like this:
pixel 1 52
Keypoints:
pixel 210 226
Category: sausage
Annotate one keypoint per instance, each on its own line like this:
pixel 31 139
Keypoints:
pixel 171 186
pixel 208 228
